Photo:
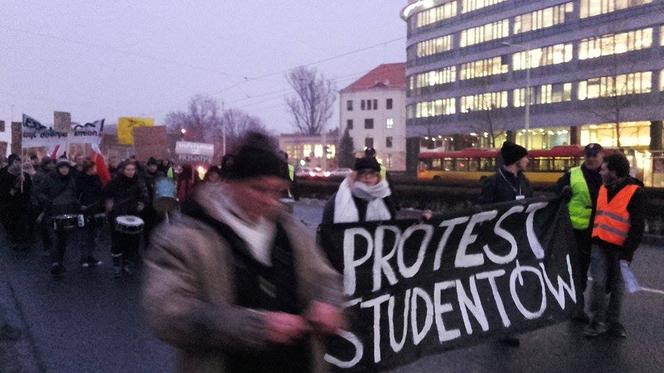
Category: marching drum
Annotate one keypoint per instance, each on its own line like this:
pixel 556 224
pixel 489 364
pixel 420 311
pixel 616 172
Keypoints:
pixel 129 224
pixel 164 195
pixel 67 222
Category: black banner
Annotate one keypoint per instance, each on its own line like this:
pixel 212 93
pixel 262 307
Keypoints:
pixel 416 289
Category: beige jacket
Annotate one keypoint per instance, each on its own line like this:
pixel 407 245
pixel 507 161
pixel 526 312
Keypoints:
pixel 188 290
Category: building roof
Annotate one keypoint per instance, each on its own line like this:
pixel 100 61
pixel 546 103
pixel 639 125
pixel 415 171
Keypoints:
pixel 388 75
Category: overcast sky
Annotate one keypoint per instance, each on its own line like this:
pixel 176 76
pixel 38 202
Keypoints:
pixel 105 59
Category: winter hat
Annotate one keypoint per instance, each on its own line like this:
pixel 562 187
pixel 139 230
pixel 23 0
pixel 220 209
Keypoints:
pixel 62 161
pixel 13 158
pixel 512 152
pixel 153 161
pixel 367 163
pixel 256 156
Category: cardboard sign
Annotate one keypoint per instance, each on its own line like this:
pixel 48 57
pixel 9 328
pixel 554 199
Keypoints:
pixel 17 137
pixel 194 152
pixel 126 127
pixel 417 289
pixel 61 121
pixel 151 142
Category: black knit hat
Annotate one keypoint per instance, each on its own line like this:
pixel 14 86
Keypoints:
pixel 256 156
pixel 512 152
pixel 367 163
pixel 153 161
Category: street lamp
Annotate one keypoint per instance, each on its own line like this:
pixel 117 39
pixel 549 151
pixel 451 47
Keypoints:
pixel 525 48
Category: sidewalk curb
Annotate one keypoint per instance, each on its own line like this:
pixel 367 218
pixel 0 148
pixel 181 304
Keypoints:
pixel 20 355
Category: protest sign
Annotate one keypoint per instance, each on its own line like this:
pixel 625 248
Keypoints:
pixel 417 289
pixel 194 152
pixel 151 142
pixel 126 127
pixel 88 133
pixel 36 135
pixel 17 134
pixel 61 121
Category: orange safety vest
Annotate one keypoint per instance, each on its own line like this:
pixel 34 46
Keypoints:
pixel 612 221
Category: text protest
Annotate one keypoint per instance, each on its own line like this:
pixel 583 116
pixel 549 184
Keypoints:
pixel 420 288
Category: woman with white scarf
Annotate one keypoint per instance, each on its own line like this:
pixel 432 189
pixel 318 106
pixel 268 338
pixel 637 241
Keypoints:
pixel 362 196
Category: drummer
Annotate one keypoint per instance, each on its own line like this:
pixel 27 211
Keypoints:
pixel 58 196
pixel 89 191
pixel 126 194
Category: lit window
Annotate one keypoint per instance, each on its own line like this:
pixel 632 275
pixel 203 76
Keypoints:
pixel 620 85
pixel 544 94
pixel 331 151
pixel 434 46
pixel 318 151
pixel 307 150
pixel 610 44
pixel 484 33
pixel 426 109
pixel 484 101
pixel 472 5
pixel 590 8
pixel 482 68
pixel 389 124
pixel 433 78
pixel 437 14
pixel 551 55
pixel 543 18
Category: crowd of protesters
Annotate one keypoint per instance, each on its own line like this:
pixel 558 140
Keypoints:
pixel 234 281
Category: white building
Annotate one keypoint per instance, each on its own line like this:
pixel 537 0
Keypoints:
pixel 373 108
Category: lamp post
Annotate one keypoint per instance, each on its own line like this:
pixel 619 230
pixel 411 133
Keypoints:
pixel 525 48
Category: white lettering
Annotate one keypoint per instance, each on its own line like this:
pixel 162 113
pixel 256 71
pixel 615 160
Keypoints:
pixel 462 259
pixel 474 306
pixel 559 293
pixel 517 273
pixel 449 227
pixel 491 276
pixel 381 262
pixel 500 232
pixel 350 263
pixel 376 303
pixel 441 308
pixel 418 335
pixel 406 271
pixel 398 345
pixel 535 245
pixel 357 345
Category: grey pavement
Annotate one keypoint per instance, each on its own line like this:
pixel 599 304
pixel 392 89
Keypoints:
pixel 89 322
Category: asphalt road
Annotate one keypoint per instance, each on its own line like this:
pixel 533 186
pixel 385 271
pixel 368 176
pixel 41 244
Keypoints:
pixel 90 322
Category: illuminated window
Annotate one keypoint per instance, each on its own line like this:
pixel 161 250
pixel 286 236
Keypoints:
pixel 439 13
pixel 543 18
pixel 611 44
pixel 435 108
pixel 484 101
pixel 307 150
pixel 434 46
pixel 482 68
pixel 551 55
pixel 433 78
pixel 631 134
pixel 318 151
pixel 620 85
pixel 590 8
pixel 484 33
pixel 544 94
pixel 331 151
pixel 472 5
pixel 389 123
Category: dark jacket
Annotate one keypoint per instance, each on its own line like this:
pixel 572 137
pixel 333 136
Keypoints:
pixel 504 186
pixel 57 194
pixel 90 193
pixel 360 204
pixel 126 193
pixel 12 204
pixel 593 180
pixel 636 209
pixel 38 181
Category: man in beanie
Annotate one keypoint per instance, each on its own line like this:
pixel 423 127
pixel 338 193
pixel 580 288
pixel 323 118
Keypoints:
pixel 509 183
pixel 235 283
pixel 363 196
pixel 581 185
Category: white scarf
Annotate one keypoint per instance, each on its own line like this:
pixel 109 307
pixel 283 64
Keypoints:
pixel 345 210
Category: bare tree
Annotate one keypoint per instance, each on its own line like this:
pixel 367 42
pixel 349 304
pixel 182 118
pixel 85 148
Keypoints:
pixel 201 118
pixel 312 103
pixel 236 124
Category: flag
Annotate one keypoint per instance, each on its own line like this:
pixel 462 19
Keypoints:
pixel 102 169
pixel 58 151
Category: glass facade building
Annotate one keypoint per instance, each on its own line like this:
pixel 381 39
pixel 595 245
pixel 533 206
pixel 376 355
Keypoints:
pixel 590 70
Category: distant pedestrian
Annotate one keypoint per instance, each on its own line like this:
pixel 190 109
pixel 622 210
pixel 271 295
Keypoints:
pixel 363 196
pixel 90 194
pixel 582 185
pixel 236 284
pixel 617 232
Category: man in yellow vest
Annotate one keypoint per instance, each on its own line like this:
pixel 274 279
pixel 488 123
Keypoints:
pixel 582 184
pixel 617 231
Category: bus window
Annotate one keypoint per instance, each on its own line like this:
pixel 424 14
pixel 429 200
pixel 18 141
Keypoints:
pixel 473 164
pixel 487 164
pixel 448 164
pixel 425 165
pixel 461 164
pixel 561 164
pixel 436 164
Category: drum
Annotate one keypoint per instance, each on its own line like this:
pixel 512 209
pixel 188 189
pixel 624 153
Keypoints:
pixel 165 195
pixel 129 224
pixel 67 222
pixel 98 220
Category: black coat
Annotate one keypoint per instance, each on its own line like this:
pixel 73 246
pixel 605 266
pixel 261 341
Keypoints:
pixel 504 186
pixel 90 193
pixel 13 200
pixel 57 194
pixel 126 193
